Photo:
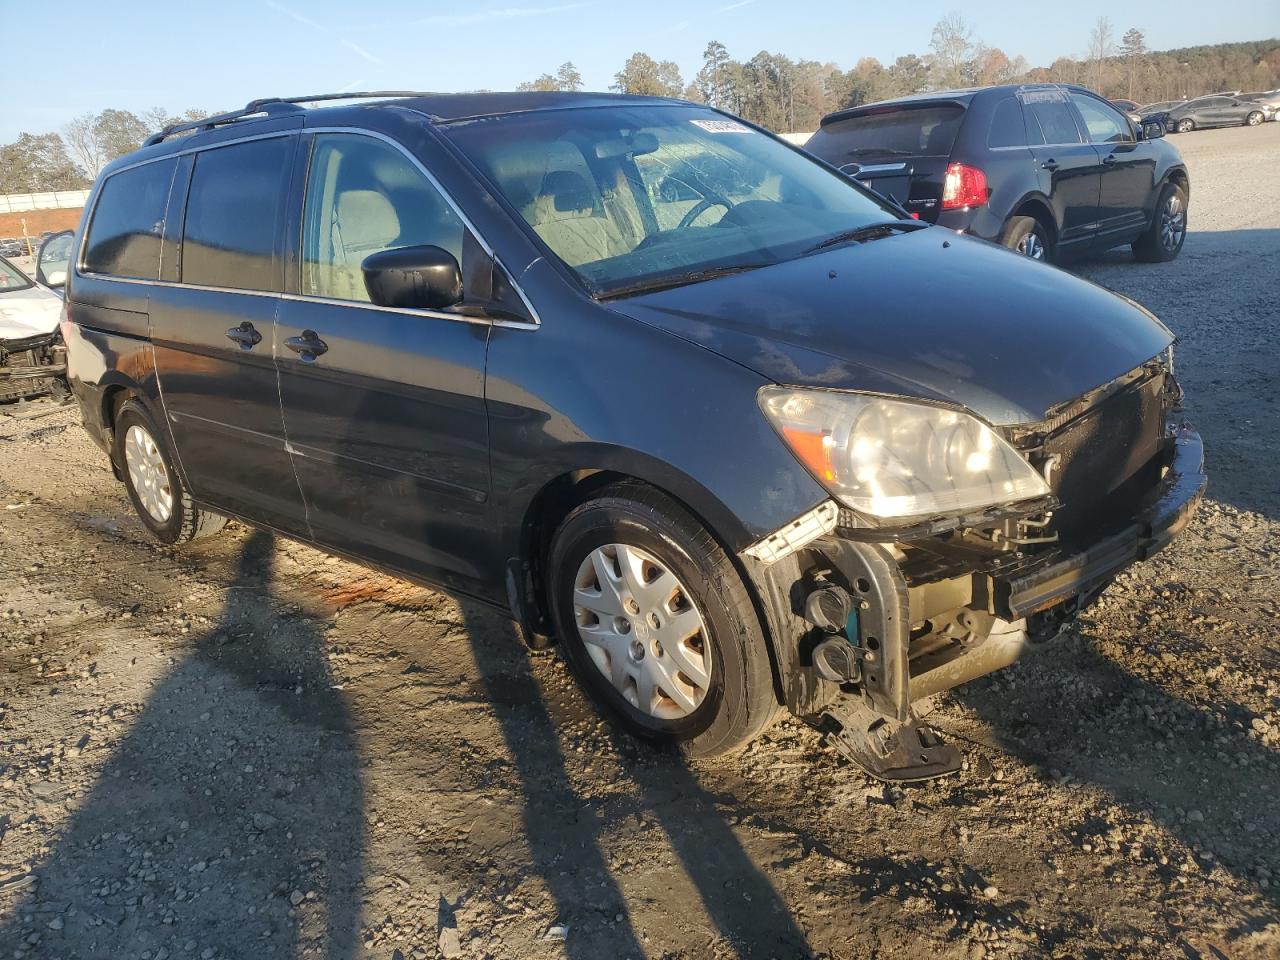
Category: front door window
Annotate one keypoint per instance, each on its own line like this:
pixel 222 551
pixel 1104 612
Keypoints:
pixel 364 197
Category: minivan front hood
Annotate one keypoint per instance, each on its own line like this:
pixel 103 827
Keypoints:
pixel 926 314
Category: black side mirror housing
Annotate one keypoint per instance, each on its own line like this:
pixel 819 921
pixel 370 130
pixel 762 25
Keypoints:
pixel 1152 130
pixel 425 277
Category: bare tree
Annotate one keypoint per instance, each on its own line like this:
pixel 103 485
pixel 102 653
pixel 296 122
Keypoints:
pixel 82 140
pixel 953 50
pixel 1101 46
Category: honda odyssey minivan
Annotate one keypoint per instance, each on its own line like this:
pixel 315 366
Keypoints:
pixel 735 431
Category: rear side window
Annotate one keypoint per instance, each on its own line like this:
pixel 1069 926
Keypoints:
pixel 928 130
pixel 1007 129
pixel 229 238
pixel 128 222
pixel 1049 117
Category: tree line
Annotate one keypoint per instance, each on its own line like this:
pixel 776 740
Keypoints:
pixel 770 89
pixel 41 162
pixel 783 94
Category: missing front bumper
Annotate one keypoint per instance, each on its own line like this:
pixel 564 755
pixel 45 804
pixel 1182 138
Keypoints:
pixel 1014 608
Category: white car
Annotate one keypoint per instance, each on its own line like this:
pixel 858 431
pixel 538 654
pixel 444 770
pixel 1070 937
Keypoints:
pixel 32 358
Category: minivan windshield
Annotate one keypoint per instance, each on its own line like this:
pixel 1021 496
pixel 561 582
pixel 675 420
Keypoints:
pixel 639 198
pixel 11 278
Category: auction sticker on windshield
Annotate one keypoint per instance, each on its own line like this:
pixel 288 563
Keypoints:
pixel 721 126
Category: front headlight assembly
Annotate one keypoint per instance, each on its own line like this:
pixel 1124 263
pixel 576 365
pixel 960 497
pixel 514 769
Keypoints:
pixel 898 460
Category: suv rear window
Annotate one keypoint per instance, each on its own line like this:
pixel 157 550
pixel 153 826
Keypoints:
pixel 928 130
pixel 124 235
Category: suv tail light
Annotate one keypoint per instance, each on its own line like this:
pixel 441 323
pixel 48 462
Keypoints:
pixel 964 186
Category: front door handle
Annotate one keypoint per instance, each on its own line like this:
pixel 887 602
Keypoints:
pixel 1049 165
pixel 1109 160
pixel 245 335
pixel 308 346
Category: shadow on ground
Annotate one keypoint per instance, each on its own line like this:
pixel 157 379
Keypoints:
pixel 192 867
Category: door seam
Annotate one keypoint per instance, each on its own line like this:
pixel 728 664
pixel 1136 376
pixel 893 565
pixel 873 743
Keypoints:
pixel 284 424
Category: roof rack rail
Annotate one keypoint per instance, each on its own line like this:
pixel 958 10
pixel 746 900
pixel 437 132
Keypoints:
pixel 269 106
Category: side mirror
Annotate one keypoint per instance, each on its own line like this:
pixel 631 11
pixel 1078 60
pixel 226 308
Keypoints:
pixel 426 277
pixel 54 259
pixel 1152 130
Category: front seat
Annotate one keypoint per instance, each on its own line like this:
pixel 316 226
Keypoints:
pixel 364 222
pixel 563 214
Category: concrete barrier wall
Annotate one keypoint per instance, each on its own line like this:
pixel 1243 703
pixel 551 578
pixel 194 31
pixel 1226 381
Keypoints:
pixel 61 199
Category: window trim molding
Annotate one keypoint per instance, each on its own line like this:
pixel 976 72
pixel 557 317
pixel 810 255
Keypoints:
pixel 354 304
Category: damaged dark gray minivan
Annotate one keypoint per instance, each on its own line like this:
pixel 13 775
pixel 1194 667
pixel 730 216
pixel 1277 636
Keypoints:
pixel 738 433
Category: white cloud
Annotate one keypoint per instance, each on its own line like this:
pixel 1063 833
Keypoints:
pixel 326 31
pixel 497 13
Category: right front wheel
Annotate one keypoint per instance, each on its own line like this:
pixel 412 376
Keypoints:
pixel 657 624
pixel 1168 230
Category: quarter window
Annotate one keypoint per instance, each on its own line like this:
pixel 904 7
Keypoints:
pixel 128 222
pixel 1104 124
pixel 1007 129
pixel 229 239
pixel 363 197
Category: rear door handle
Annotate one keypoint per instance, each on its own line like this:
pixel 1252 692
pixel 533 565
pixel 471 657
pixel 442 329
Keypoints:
pixel 308 346
pixel 1049 165
pixel 245 335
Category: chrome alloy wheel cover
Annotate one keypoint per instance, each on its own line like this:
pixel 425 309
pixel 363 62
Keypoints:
pixel 643 631
pixel 1173 223
pixel 1031 246
pixel 147 473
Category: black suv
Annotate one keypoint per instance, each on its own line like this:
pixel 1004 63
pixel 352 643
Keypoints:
pixel 736 431
pixel 1048 170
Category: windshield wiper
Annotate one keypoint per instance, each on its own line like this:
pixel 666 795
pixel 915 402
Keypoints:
pixel 870 231
pixel 681 279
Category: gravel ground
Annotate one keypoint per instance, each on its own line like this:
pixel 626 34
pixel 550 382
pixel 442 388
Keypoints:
pixel 247 749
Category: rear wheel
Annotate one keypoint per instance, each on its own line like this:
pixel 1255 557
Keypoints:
pixel 1254 118
pixel 1168 230
pixel 1028 236
pixel 156 491
pixel 657 624
pixel 1186 125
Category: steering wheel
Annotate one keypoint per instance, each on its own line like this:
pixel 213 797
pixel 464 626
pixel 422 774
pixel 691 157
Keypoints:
pixel 701 207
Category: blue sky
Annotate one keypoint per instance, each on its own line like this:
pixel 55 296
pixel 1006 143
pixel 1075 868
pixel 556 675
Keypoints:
pixel 91 54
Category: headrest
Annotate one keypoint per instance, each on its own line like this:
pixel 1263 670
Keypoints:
pixel 366 218
pixel 567 190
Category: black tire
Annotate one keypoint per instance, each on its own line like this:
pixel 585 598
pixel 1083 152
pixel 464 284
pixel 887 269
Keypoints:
pixel 1154 246
pixel 1185 125
pixel 186 521
pixel 1028 236
pixel 1254 118
pixel 739 701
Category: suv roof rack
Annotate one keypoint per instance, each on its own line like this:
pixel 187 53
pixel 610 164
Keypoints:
pixel 270 106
